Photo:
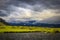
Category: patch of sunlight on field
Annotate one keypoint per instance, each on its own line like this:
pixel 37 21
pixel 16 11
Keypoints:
pixel 28 29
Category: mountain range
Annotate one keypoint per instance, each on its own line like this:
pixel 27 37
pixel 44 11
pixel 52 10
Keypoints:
pixel 28 23
pixel 34 23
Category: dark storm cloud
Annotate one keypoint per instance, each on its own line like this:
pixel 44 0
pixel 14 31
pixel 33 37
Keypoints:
pixel 3 13
pixel 24 8
pixel 54 4
pixel 46 4
pixel 3 6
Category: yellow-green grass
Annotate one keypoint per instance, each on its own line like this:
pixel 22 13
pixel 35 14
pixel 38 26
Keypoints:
pixel 28 29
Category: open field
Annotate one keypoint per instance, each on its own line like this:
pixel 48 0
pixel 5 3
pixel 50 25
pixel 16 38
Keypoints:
pixel 24 29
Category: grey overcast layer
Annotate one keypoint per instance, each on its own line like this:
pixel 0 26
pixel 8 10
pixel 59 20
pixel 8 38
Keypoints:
pixel 43 11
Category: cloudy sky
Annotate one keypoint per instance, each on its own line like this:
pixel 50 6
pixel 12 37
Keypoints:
pixel 43 11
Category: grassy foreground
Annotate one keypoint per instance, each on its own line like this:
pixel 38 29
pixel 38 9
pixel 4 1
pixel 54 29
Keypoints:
pixel 28 29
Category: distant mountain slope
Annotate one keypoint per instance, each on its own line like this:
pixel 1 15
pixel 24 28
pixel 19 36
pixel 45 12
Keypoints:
pixel 34 23
pixel 2 22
